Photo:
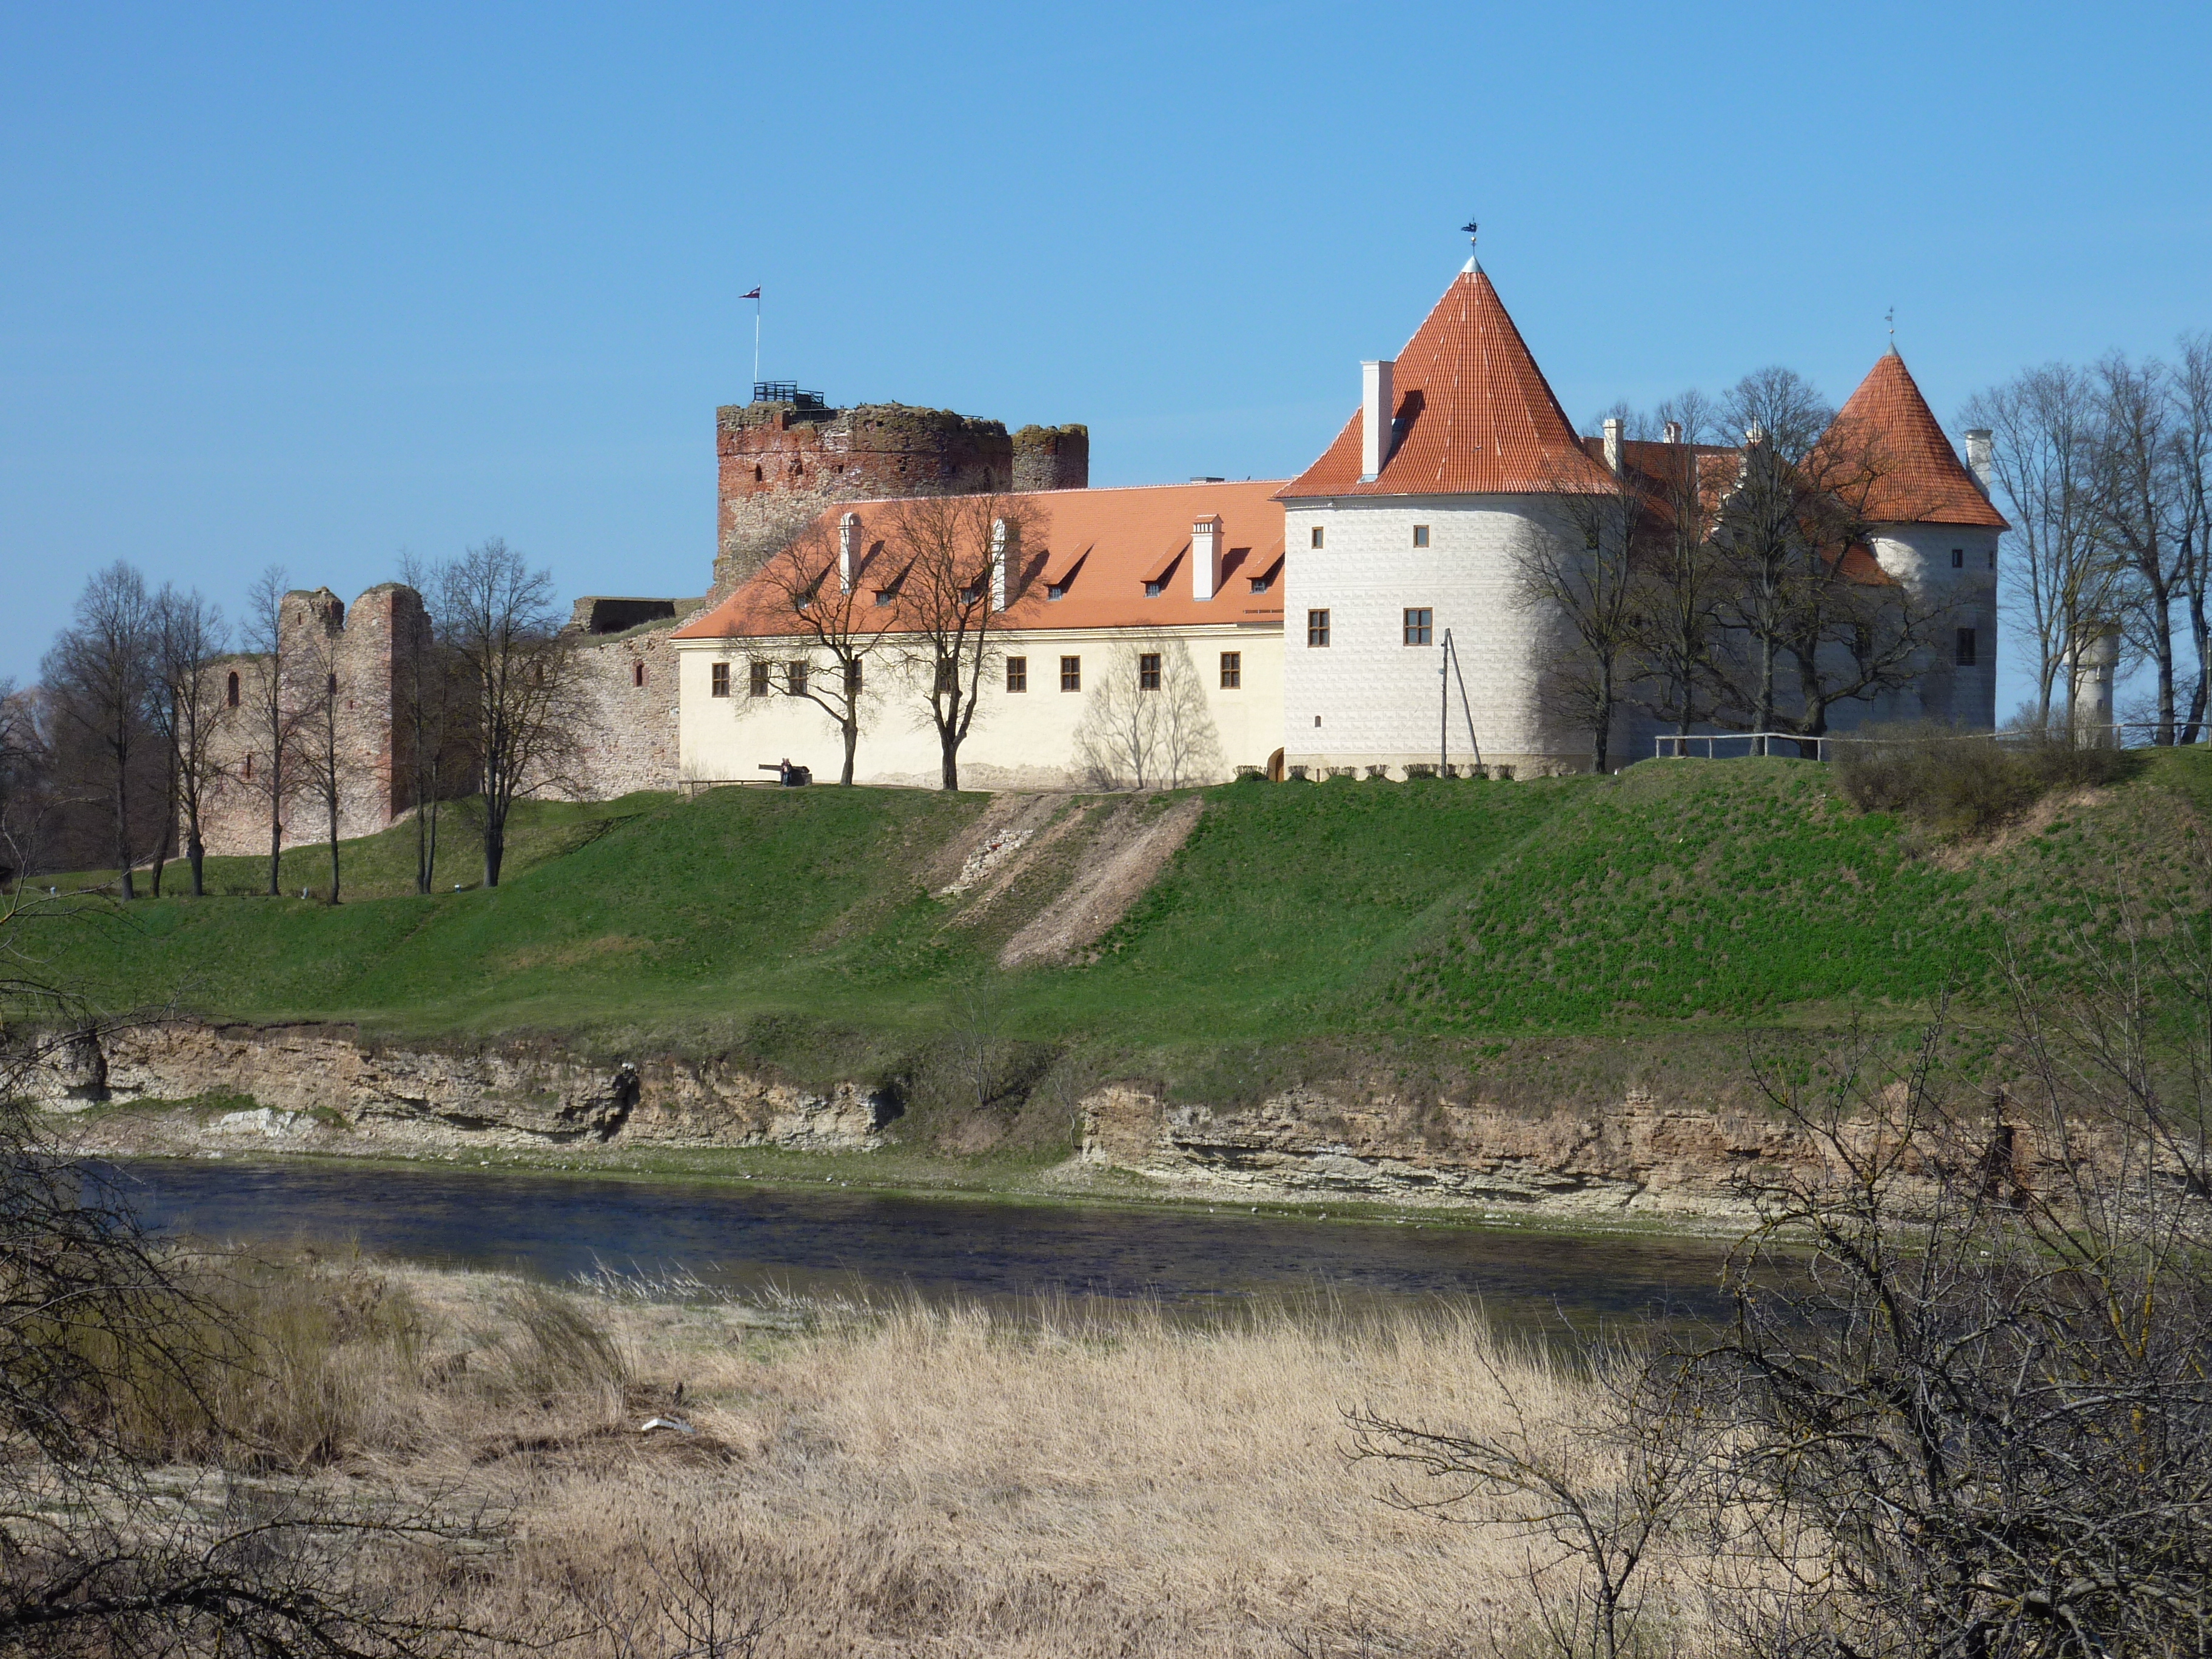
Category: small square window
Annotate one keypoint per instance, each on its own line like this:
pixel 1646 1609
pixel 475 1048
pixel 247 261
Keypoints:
pixel 718 679
pixel 1232 671
pixel 1018 673
pixel 1418 625
pixel 1317 628
pixel 885 595
pixel 1055 590
pixel 1420 535
pixel 1261 584
pixel 1967 651
pixel 1152 589
pixel 1071 673
pixel 1958 558
pixel 1316 535
pixel 757 686
pixel 1148 671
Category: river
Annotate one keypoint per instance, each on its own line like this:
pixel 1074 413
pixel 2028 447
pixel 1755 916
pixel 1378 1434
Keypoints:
pixel 747 1238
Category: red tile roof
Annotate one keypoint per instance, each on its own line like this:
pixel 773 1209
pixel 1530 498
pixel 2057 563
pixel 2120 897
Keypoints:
pixel 1102 543
pixel 1922 481
pixel 1474 417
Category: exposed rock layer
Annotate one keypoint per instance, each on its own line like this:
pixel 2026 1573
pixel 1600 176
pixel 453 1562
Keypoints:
pixel 321 1088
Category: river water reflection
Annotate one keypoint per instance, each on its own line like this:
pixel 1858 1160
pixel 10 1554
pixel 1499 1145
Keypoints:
pixel 749 1237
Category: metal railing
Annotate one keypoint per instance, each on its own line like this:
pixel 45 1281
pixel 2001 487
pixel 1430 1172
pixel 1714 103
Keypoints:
pixel 2121 734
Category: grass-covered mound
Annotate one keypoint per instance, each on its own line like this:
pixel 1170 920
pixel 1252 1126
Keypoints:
pixel 1681 897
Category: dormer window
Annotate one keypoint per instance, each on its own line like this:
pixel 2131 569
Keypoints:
pixel 1055 590
pixel 1152 589
pixel 1261 584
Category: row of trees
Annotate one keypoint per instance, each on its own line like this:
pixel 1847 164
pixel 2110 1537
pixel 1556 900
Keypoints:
pixel 1726 586
pixel 145 721
pixel 2106 472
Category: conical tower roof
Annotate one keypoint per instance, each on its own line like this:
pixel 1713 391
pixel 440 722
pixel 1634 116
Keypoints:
pixel 1475 415
pixel 1922 479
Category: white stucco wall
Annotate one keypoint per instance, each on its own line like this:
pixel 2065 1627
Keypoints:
pixel 1919 556
pixel 1019 739
pixel 1370 699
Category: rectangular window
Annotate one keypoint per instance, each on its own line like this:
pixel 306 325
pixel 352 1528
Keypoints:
pixel 1232 669
pixel 853 677
pixel 1958 558
pixel 1993 558
pixel 1420 535
pixel 718 677
pixel 1416 626
pixel 1018 673
pixel 1259 584
pixel 948 679
pixel 1055 590
pixel 1316 535
pixel 637 673
pixel 1148 671
pixel 757 685
pixel 1152 589
pixel 1966 651
pixel 795 676
pixel 1071 673
pixel 1317 628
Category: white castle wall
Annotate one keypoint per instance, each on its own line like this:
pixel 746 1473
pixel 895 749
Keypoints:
pixel 1024 739
pixel 1368 699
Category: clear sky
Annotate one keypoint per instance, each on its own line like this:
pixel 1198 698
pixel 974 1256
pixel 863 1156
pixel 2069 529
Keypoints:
pixel 310 285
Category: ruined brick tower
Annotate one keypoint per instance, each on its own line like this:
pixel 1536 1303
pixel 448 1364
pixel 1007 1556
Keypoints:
pixel 786 455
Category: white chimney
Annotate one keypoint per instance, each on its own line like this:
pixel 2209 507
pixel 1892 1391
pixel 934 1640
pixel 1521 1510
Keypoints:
pixel 1981 458
pixel 1674 432
pixel 1614 428
pixel 1376 407
pixel 998 540
pixel 848 551
pixel 1206 550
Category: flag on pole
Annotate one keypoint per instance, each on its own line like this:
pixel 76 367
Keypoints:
pixel 755 294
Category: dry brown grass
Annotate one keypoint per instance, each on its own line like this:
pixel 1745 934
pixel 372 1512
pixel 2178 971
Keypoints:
pixel 908 1479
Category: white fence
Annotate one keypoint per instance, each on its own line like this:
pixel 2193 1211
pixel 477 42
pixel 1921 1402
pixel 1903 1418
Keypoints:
pixel 1736 745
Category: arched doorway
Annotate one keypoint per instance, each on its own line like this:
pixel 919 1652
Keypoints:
pixel 1275 767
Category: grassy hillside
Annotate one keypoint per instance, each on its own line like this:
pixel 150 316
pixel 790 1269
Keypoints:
pixel 1685 898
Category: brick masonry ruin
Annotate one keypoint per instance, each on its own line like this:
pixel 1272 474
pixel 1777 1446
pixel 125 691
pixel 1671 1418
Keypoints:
pixel 779 464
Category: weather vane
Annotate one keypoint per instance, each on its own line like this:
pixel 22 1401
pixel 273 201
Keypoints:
pixel 1890 317
pixel 1473 258
pixel 1470 228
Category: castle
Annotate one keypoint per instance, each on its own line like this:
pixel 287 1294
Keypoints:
pixel 1291 625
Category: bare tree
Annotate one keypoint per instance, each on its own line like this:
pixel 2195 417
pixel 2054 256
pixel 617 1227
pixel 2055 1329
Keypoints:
pixel 326 766
pixel 1146 724
pixel 520 702
pixel 273 719
pixel 818 588
pixel 428 693
pixel 188 634
pixel 100 675
pixel 2044 432
pixel 1602 1495
pixel 1802 594
pixel 954 568
pixel 2193 385
pixel 2143 498
pixel 1577 570
pixel 113 1360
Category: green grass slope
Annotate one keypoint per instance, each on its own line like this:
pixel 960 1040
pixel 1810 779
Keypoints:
pixel 1680 897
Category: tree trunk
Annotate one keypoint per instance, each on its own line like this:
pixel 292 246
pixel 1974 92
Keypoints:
pixel 275 840
pixel 950 746
pixel 123 834
pixel 334 852
pixel 196 854
pixel 852 744
pixel 495 847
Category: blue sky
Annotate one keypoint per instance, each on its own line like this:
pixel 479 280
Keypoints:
pixel 311 285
